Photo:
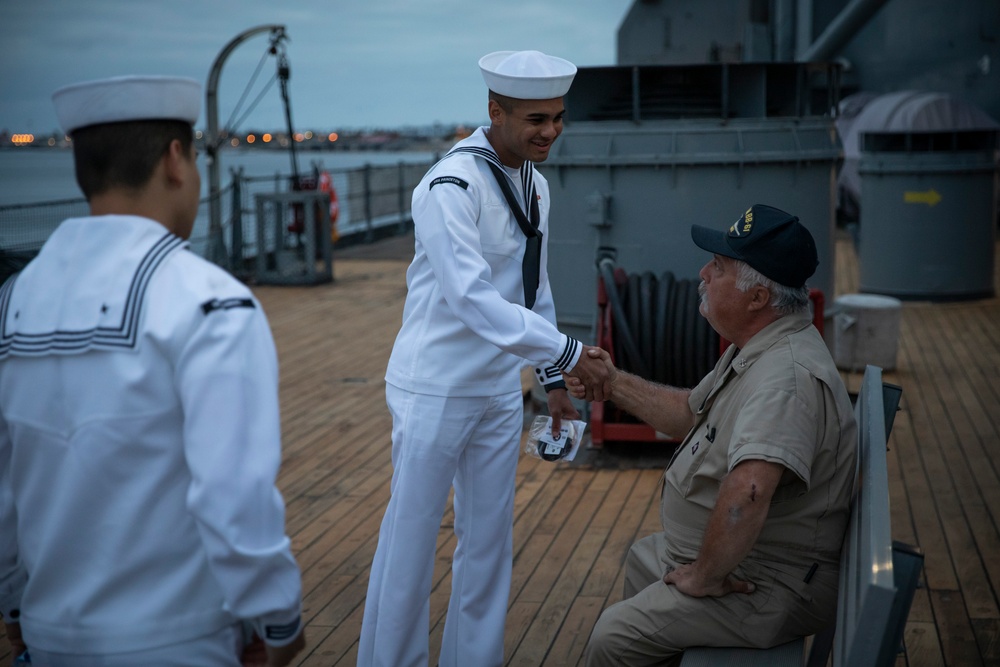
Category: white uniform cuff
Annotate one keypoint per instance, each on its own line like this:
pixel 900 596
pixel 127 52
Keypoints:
pixel 11 614
pixel 570 355
pixel 550 378
pixel 279 628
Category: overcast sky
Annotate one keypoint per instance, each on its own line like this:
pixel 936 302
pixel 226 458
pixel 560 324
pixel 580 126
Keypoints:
pixel 354 63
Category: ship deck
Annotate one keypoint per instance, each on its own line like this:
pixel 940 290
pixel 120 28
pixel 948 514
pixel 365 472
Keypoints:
pixel 574 523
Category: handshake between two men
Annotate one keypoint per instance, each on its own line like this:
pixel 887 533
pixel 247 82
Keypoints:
pixel 593 375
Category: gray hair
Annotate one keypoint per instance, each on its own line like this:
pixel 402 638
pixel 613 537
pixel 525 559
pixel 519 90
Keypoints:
pixel 785 300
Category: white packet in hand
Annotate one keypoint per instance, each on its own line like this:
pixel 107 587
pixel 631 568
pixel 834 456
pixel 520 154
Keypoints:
pixel 542 445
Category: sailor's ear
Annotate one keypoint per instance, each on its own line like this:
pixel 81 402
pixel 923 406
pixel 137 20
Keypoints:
pixel 173 162
pixel 497 113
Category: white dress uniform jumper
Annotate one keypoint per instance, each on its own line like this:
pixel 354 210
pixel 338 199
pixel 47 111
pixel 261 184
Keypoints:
pixel 139 436
pixel 477 311
pixel 454 389
pixel 139 445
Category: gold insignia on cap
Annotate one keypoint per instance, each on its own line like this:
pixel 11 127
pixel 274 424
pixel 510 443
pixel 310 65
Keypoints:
pixel 743 225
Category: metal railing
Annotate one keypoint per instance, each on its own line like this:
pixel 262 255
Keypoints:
pixel 374 202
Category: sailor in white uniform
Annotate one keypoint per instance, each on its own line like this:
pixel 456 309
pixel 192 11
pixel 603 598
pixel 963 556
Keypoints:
pixel 478 310
pixel 139 429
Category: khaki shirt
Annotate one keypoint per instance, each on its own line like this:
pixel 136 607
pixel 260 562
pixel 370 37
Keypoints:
pixel 778 399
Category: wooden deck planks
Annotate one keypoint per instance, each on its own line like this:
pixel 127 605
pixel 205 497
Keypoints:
pixel 574 524
pixel 944 447
pixel 943 488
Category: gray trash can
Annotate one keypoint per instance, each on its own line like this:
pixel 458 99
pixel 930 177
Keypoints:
pixel 928 214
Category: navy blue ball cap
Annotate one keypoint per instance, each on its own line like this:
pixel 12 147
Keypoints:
pixel 769 240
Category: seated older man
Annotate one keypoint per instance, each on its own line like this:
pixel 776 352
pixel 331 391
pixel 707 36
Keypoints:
pixel 757 497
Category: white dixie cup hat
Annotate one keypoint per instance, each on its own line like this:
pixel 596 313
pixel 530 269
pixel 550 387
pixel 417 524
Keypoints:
pixel 127 98
pixel 527 75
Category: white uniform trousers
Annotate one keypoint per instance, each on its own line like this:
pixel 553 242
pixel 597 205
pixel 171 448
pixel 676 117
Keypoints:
pixel 220 649
pixel 438 441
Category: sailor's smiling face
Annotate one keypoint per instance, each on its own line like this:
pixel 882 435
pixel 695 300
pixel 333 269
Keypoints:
pixel 526 130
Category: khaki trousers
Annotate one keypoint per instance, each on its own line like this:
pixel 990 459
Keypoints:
pixel 656 622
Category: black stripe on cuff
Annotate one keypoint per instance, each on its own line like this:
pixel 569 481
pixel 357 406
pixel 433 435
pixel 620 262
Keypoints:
pixel 568 353
pixel 282 632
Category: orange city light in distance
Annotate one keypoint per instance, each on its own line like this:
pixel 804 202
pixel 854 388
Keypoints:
pixel 22 139
pixel 333 136
pixel 251 138
pixel 266 138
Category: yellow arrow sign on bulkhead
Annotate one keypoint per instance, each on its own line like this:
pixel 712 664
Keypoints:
pixel 930 197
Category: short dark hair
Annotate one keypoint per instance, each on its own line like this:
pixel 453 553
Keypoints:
pixel 123 155
pixel 506 103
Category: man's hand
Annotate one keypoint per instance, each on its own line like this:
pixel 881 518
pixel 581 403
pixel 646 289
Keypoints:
pixel 13 630
pixel 259 654
pixel 560 407
pixel 733 528
pixel 254 653
pixel 279 656
pixel 688 580
pixel 594 371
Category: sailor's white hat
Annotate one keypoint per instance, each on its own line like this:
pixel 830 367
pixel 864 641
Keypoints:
pixel 125 98
pixel 527 75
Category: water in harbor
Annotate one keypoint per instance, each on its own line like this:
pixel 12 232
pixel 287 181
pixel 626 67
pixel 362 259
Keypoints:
pixel 29 175
pixel 32 176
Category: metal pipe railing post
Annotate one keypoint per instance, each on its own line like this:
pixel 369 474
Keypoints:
pixel 369 230
pixel 402 197
pixel 236 251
